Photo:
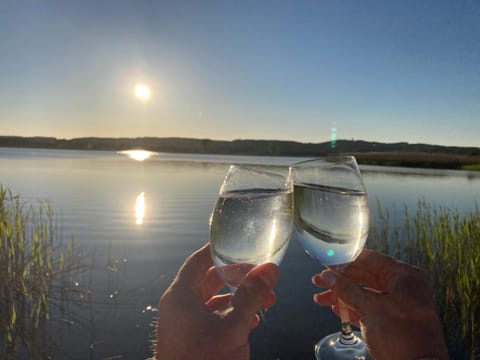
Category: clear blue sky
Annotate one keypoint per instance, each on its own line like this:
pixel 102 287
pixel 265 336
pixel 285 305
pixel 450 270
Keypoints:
pixel 375 70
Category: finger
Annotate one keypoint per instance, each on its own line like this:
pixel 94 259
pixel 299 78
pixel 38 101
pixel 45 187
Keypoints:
pixel 193 270
pixel 353 316
pixel 233 274
pixel 385 274
pixel 328 298
pixel 253 293
pixel 269 301
pixel 325 298
pixel 255 322
pixel 373 269
pixel 362 276
pixel 373 260
pixel 218 302
pixel 322 280
pixel 212 282
pixel 346 289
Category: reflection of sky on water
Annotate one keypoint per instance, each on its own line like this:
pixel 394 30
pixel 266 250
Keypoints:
pixel 397 190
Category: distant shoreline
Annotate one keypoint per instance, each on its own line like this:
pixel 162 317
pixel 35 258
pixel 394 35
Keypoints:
pixel 368 153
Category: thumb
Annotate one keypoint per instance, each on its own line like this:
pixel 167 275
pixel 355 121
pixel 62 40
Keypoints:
pixel 253 292
pixel 346 290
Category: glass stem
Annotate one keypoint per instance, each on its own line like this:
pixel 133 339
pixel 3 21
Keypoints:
pixel 347 337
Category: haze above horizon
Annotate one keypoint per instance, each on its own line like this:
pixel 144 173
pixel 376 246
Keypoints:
pixel 304 71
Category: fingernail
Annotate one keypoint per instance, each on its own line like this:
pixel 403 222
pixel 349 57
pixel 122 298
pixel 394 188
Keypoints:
pixel 328 277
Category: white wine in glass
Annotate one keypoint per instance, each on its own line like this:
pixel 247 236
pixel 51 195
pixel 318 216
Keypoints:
pixel 331 220
pixel 252 221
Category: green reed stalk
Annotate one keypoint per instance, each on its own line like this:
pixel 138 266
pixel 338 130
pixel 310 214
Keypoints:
pixel 447 246
pixel 31 264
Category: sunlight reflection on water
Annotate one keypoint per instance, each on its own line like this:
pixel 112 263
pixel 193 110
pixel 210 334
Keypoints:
pixel 139 155
pixel 140 208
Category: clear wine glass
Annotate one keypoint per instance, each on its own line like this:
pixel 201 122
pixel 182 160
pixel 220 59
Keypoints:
pixel 331 220
pixel 252 221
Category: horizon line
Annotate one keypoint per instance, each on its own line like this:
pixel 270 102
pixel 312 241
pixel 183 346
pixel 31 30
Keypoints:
pixel 233 140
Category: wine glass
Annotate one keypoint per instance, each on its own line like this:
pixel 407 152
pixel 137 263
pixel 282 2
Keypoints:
pixel 331 219
pixel 252 221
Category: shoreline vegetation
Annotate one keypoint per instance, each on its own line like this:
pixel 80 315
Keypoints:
pixel 446 244
pixel 367 153
pixel 38 278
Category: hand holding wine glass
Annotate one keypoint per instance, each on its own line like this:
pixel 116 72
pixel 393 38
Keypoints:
pixel 397 323
pixel 251 223
pixel 191 323
pixel 331 219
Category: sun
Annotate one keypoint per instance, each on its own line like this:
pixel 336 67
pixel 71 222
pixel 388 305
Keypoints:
pixel 142 92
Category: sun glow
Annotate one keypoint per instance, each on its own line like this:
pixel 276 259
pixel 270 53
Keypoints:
pixel 142 92
pixel 140 208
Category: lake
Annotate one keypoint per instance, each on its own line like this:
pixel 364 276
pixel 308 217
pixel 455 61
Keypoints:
pixel 138 220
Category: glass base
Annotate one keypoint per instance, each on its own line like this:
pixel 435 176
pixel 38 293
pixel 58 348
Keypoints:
pixel 331 347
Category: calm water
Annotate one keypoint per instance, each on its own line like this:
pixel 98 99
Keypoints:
pixel 139 220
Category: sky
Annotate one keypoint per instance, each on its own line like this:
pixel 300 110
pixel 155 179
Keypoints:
pixel 386 71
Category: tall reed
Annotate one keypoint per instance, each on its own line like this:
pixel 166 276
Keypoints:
pixel 447 245
pixel 36 272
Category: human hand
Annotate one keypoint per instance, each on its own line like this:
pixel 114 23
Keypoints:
pixel 193 322
pixel 391 302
